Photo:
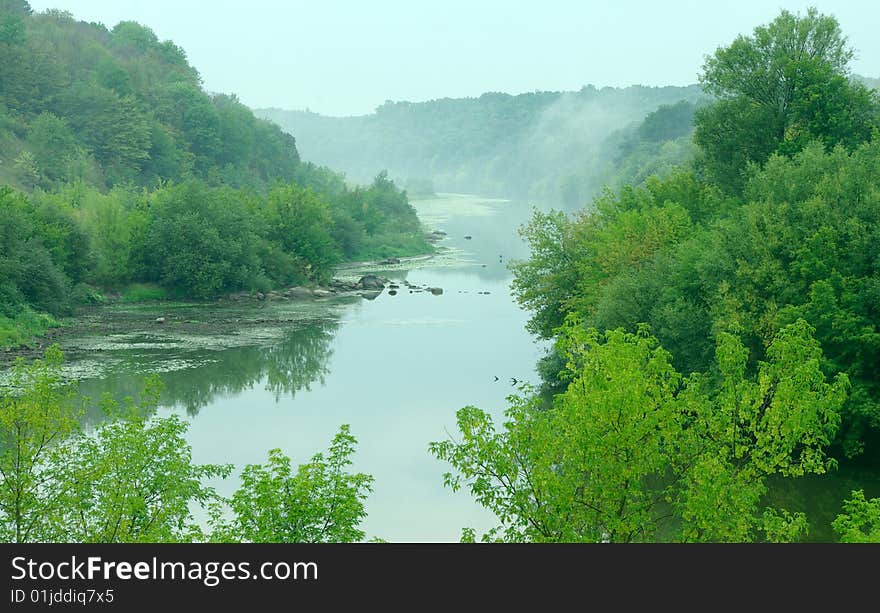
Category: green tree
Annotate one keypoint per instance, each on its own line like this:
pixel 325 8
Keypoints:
pixel 132 480
pixel 780 88
pixel 770 68
pixel 16 7
pixel 319 503
pixel 26 266
pixel 860 520
pixel 299 221
pixel 41 414
pixel 633 451
pixel 199 241
pixel 28 169
pixel 114 127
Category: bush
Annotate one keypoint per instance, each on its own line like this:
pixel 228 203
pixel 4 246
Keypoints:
pixel 143 292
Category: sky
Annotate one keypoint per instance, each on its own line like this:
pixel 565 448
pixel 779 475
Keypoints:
pixel 348 57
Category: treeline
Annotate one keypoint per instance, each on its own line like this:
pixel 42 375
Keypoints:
pixel 715 328
pixel 137 176
pixel 63 248
pixel 551 146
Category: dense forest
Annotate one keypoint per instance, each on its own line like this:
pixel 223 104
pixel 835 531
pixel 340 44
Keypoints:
pixel 714 329
pixel 123 175
pixel 557 147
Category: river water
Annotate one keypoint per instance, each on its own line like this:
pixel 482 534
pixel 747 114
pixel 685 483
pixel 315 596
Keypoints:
pixel 395 369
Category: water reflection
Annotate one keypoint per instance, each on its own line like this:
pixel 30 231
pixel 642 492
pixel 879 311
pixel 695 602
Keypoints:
pixel 296 363
pixel 821 497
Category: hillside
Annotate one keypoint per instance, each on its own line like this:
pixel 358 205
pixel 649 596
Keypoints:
pixel 108 106
pixel 547 145
pixel 120 175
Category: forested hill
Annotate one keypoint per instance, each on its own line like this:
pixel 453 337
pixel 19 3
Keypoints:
pixel 120 176
pixel 80 101
pixel 549 145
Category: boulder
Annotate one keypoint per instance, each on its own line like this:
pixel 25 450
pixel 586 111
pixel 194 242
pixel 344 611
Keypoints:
pixel 299 292
pixel 392 292
pixel 343 286
pixel 371 295
pixel 371 282
pixel 436 290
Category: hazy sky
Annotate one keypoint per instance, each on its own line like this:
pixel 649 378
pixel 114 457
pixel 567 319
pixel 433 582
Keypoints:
pixel 346 58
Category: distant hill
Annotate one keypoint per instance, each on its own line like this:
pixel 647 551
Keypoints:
pixel 546 145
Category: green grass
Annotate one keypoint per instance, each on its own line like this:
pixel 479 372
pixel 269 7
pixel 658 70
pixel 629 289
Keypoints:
pixel 24 327
pixel 143 292
pixel 393 245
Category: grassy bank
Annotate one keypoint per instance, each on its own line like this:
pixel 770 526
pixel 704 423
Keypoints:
pixel 23 328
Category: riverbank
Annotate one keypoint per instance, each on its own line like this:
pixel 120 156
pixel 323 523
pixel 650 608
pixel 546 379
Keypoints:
pixel 218 323
pixel 29 332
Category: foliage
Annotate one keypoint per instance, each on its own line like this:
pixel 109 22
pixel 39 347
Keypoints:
pixel 799 244
pixel 319 503
pixel 139 177
pixel 119 106
pixel 190 240
pixel 781 88
pixel 39 416
pixel 634 451
pixel 860 520
pixel 132 477
pixel 29 275
pixel 133 480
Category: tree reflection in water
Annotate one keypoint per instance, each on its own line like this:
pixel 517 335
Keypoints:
pixel 295 363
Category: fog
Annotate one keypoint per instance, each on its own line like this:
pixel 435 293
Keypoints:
pixel 553 147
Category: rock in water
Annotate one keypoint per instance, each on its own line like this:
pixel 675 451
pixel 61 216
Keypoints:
pixel 371 282
pixel 371 295
pixel 436 290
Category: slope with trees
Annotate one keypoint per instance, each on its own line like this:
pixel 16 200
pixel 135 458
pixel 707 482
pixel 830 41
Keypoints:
pixel 121 170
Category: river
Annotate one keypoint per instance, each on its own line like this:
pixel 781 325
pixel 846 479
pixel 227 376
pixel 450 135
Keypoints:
pixel 395 369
